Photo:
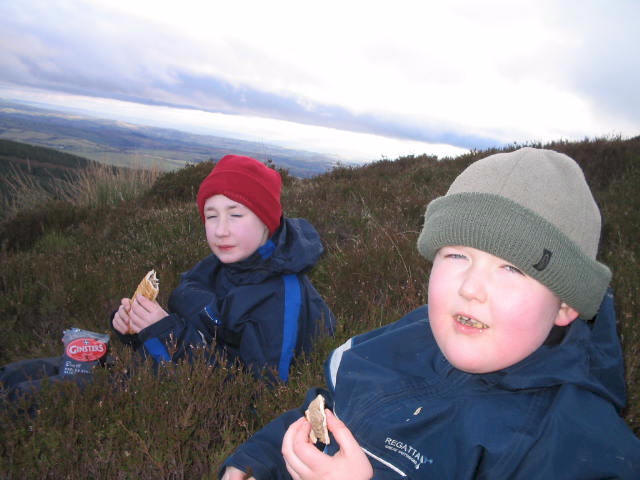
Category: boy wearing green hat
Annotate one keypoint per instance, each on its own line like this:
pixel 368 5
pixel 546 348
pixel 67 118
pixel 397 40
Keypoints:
pixel 503 374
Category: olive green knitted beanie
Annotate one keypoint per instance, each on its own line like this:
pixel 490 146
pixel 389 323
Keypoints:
pixel 533 208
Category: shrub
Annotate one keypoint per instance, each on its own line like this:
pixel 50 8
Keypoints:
pixel 179 185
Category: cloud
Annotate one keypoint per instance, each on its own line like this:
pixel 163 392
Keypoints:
pixel 101 66
pixel 463 73
pixel 343 145
pixel 605 68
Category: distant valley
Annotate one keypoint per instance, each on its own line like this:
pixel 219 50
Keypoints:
pixel 126 144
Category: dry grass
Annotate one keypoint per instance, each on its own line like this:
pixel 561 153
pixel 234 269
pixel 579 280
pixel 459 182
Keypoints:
pixel 97 185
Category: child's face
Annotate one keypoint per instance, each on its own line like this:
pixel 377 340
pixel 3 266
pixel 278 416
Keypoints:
pixel 486 314
pixel 233 231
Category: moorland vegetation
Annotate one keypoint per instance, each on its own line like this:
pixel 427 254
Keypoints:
pixel 67 262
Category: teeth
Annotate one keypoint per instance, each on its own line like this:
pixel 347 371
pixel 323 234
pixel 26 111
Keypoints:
pixel 471 322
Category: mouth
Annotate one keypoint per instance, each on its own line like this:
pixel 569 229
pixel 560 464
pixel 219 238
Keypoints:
pixel 224 248
pixel 470 322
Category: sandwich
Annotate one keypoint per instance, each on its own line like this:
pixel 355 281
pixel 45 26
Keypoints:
pixel 148 287
pixel 318 420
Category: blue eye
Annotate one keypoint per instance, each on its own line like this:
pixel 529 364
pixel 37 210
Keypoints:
pixel 513 269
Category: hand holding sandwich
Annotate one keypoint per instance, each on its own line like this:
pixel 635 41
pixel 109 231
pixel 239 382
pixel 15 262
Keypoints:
pixel 137 315
pixel 142 309
pixel 305 462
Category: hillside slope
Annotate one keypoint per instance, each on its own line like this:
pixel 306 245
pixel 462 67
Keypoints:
pixel 133 145
pixel 183 422
pixel 41 162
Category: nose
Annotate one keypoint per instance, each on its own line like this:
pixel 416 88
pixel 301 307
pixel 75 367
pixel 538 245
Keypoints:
pixel 222 226
pixel 472 286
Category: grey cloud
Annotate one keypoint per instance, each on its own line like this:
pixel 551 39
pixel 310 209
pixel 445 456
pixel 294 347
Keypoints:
pixel 72 53
pixel 216 95
pixel 81 49
pixel 266 104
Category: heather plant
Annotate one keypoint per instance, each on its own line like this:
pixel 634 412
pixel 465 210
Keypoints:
pixel 179 185
pixel 64 266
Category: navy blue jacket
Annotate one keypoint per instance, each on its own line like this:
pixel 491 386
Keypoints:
pixel 262 310
pixel 554 415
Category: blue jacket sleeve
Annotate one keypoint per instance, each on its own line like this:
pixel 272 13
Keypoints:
pixel 193 293
pixel 261 456
pixel 590 442
pixel 172 338
pixel 172 333
pixel 193 321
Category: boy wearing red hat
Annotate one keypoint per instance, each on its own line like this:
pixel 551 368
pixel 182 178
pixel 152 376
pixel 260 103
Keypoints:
pixel 251 297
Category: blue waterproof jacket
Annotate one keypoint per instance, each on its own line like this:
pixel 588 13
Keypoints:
pixel 262 310
pixel 554 415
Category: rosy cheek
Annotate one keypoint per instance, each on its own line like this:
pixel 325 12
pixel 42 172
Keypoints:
pixel 439 288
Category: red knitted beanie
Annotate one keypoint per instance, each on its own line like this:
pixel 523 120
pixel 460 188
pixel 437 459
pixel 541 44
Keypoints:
pixel 247 181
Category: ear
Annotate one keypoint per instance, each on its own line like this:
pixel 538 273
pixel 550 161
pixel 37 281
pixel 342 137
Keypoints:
pixel 566 315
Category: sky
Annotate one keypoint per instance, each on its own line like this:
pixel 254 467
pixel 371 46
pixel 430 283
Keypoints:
pixel 362 80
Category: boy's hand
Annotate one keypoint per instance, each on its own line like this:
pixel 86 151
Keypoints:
pixel 233 473
pixel 305 462
pixel 121 319
pixel 144 312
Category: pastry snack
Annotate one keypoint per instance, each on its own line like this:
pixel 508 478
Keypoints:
pixel 316 416
pixel 148 287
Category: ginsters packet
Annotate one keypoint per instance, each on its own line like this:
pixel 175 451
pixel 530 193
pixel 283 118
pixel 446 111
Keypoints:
pixel 83 350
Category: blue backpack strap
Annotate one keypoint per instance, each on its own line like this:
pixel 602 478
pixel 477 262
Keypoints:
pixel 157 350
pixel 292 304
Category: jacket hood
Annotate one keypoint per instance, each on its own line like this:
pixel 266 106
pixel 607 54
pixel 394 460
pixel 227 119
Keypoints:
pixel 294 248
pixel 589 356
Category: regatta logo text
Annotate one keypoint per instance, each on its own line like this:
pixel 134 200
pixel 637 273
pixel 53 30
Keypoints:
pixel 407 451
